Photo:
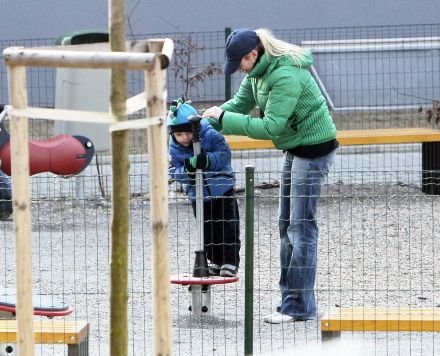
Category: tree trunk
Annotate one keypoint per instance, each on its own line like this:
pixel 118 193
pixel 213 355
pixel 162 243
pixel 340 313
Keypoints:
pixel 120 191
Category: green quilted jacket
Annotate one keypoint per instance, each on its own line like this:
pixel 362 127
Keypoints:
pixel 295 111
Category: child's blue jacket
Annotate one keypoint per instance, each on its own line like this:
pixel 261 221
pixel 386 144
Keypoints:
pixel 219 178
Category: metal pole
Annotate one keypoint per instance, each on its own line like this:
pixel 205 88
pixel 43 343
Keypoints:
pixel 199 196
pixel 249 263
pixel 201 262
pixel 228 85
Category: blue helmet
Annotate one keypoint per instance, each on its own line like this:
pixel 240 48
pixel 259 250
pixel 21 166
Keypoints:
pixel 177 120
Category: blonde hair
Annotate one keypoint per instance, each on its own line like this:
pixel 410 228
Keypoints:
pixel 278 48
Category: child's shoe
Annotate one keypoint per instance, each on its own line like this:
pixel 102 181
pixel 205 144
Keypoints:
pixel 214 270
pixel 228 270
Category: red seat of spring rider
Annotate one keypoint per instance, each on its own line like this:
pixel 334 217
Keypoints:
pixel 187 279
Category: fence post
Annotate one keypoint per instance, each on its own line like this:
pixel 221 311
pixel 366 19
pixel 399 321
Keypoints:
pixel 228 90
pixel 249 263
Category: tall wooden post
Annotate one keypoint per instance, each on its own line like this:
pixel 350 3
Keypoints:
pixel 21 210
pixel 158 160
pixel 120 190
pixel 119 61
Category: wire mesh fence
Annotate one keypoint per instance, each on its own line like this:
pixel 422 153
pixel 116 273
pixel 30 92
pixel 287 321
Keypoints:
pixel 377 248
pixel 372 78
pixel 366 70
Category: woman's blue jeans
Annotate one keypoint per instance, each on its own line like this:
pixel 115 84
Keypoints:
pixel 300 189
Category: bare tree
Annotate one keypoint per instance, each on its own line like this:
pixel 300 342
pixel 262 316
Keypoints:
pixel 185 70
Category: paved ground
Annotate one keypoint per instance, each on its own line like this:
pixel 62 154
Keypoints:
pixel 378 246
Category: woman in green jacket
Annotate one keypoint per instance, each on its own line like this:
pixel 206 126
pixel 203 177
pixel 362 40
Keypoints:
pixel 297 120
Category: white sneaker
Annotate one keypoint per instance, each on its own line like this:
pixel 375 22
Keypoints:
pixel 278 318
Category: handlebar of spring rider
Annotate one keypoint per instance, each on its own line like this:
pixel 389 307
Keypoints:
pixel 201 263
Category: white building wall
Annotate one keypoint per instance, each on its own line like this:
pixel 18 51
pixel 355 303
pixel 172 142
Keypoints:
pixel 24 19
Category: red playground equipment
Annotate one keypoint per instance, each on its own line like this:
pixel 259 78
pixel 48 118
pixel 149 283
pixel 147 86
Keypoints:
pixel 63 155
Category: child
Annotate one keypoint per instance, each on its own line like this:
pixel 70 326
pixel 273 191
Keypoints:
pixel 220 209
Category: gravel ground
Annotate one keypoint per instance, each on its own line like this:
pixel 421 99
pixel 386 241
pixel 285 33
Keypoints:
pixel 378 247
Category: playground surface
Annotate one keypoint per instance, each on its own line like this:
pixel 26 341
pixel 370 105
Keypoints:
pixel 377 248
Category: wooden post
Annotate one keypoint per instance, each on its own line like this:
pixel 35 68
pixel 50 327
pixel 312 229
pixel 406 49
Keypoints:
pixel 21 210
pixel 158 160
pixel 120 190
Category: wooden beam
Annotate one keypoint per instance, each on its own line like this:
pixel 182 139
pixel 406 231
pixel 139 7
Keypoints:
pixel 155 83
pixel 136 103
pixel 75 59
pixel 69 332
pixel 137 124
pixel 352 137
pixel 388 136
pixel 381 319
pixel 137 55
pixel 246 143
pixel 21 210
pixel 63 115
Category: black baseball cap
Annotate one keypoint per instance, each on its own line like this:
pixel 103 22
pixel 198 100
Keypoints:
pixel 238 44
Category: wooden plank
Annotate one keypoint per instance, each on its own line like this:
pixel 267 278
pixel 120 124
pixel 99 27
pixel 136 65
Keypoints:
pixel 133 104
pixel 78 59
pixel 63 115
pixel 352 137
pixel 69 332
pixel 137 124
pixel 22 209
pixel 246 143
pixel 136 57
pixel 167 50
pixel 388 136
pixel 155 83
pixel 381 319
pixel 136 103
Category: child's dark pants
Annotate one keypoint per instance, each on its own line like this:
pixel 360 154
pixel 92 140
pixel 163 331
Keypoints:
pixel 221 229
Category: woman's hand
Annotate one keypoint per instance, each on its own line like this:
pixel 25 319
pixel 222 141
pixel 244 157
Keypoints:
pixel 213 112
